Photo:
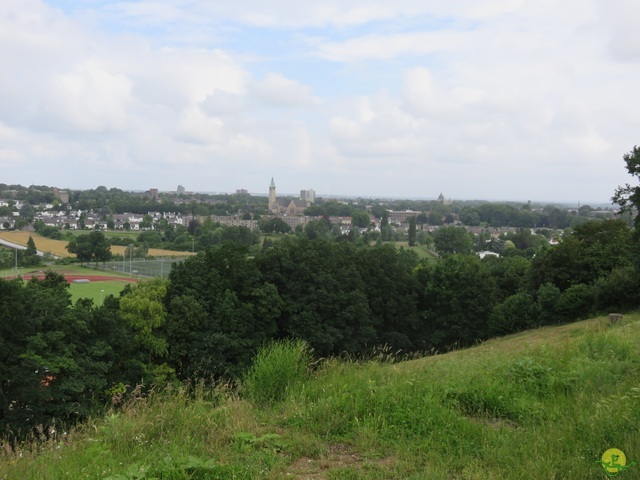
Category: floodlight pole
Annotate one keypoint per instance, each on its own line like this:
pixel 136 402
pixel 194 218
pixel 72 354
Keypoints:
pixel 130 257
pixel 16 251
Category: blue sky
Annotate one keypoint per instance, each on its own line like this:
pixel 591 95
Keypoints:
pixel 491 99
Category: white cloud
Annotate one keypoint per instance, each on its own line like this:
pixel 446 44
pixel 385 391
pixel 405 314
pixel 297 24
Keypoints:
pixel 90 98
pixel 387 47
pixel 277 90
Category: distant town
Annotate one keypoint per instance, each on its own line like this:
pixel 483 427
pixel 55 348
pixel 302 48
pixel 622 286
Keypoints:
pixel 183 220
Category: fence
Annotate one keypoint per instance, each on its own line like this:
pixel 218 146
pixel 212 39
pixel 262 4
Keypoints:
pixel 142 267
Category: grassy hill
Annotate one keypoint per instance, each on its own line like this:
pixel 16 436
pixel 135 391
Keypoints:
pixel 543 404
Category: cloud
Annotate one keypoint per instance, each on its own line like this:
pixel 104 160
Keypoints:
pixel 278 90
pixel 386 47
pixel 620 27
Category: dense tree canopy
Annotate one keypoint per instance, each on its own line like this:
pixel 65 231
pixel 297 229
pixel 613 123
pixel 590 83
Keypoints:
pixel 90 247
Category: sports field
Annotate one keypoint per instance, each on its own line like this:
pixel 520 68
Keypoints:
pixel 83 282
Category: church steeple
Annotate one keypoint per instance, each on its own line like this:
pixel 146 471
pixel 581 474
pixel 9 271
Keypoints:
pixel 272 197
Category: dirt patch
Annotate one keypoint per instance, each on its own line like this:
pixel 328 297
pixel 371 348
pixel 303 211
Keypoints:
pixel 72 278
pixel 338 456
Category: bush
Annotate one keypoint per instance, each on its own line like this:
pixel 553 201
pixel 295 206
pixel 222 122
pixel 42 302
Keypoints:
pixel 514 314
pixel 276 368
pixel 619 290
pixel 576 302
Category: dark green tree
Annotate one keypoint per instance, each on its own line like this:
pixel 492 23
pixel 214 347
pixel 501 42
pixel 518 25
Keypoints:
pixel 412 231
pixel 449 240
pixel 92 246
pixel 323 293
pixel 30 257
pixel 219 311
pixel 628 197
pixel 274 225
pixel 360 219
pixel 457 295
pixel 52 363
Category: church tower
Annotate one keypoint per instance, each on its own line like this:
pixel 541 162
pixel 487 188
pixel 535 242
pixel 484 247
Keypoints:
pixel 273 208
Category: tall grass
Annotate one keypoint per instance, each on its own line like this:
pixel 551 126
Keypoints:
pixel 277 368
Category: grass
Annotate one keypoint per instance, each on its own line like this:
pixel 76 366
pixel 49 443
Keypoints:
pixel 421 250
pixel 544 404
pixel 95 290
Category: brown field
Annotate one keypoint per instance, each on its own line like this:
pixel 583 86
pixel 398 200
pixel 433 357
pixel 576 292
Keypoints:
pixel 57 247
pixel 44 244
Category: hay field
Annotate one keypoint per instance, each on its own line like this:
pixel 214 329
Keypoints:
pixel 57 247
pixel 44 244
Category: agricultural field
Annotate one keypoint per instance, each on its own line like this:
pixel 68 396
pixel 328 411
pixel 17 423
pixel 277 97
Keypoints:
pixel 58 247
pixel 44 244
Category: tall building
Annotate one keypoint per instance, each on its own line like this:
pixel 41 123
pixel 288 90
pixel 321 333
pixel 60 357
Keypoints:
pixel 272 196
pixel 308 195
pixel 180 189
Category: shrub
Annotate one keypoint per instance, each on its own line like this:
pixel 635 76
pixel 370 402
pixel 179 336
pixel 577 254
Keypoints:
pixel 514 314
pixel 276 368
pixel 618 290
pixel 576 301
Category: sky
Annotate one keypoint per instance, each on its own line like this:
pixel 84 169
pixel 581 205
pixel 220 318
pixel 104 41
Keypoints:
pixel 475 99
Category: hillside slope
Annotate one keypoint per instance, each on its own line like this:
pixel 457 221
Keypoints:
pixel 542 404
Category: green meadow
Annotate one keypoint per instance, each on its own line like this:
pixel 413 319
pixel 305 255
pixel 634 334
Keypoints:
pixel 542 404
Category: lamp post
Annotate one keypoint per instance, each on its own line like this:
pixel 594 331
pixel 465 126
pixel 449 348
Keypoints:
pixel 130 257
pixel 16 250
pixel 101 297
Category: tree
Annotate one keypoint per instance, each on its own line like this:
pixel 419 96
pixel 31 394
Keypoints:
pixel 27 212
pixel 92 246
pixel 81 247
pixel 412 231
pixel 147 222
pixel 143 313
pixel 31 257
pixel 323 294
pixel 219 311
pixel 457 295
pixel 435 218
pixel 53 363
pixel 628 197
pixel 450 240
pixel 360 219
pixel 274 225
